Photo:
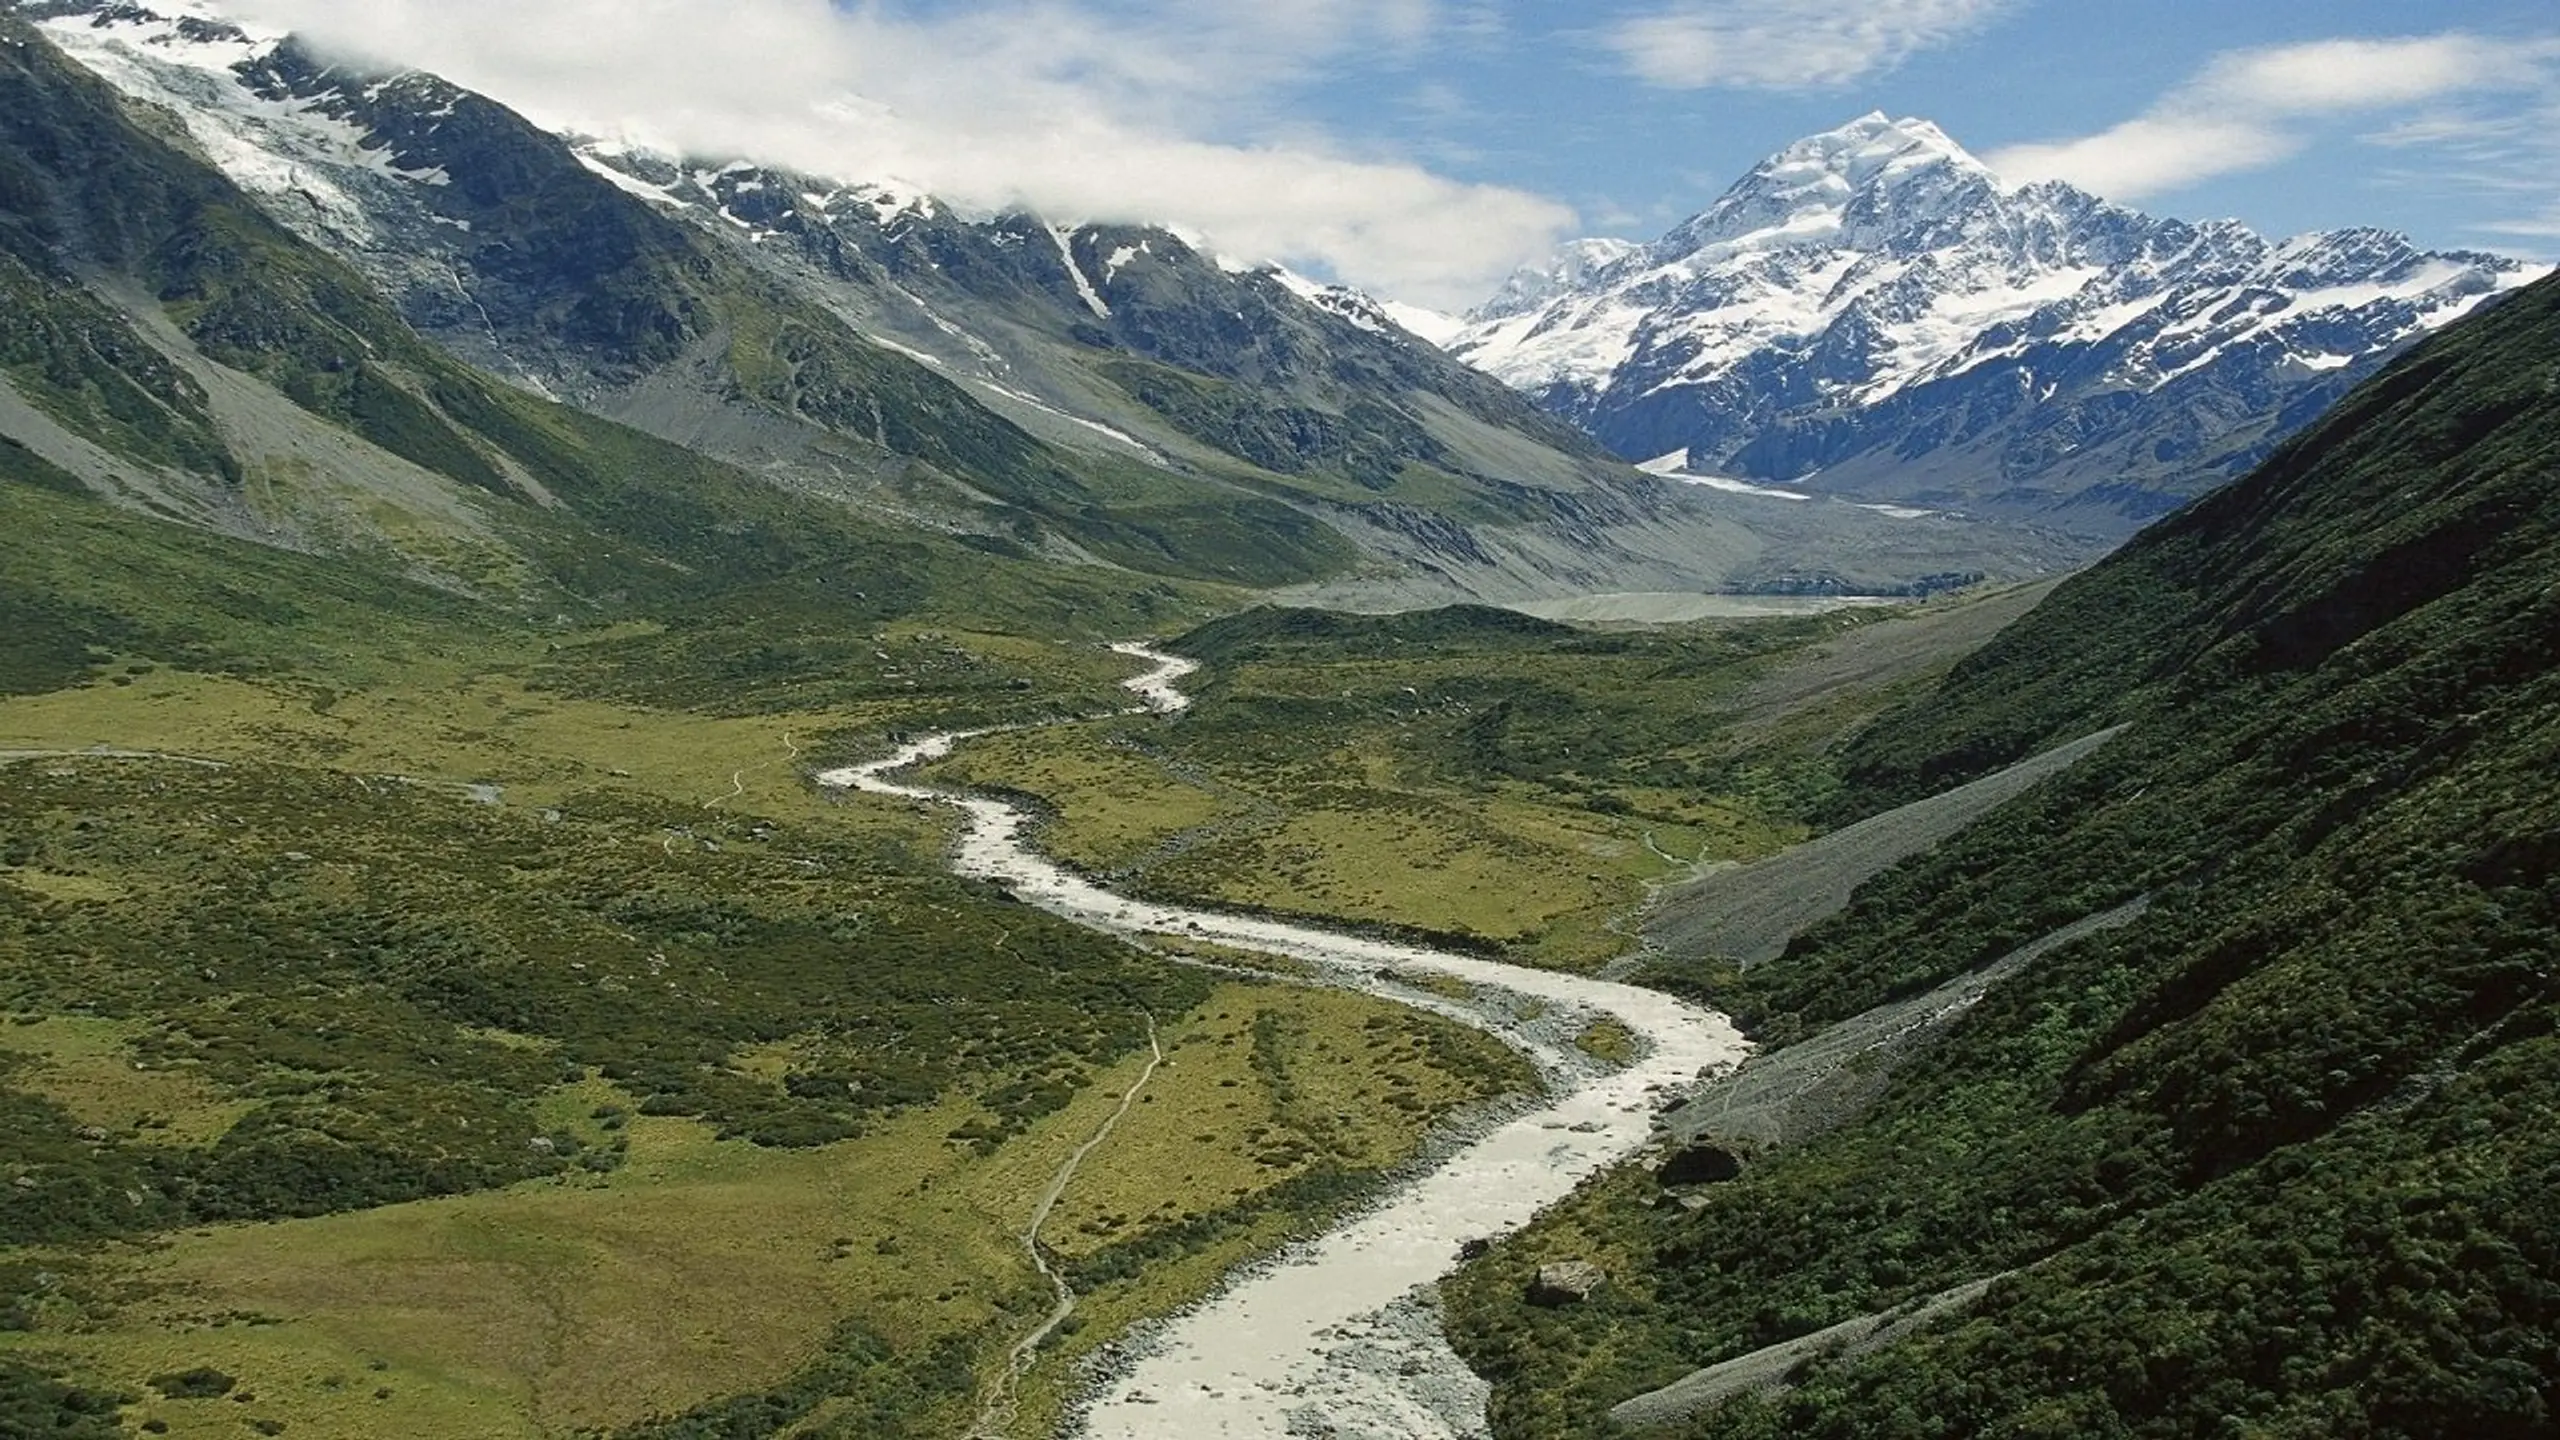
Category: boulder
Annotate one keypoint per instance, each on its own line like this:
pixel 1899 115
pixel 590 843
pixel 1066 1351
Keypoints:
pixel 1700 1164
pixel 1566 1282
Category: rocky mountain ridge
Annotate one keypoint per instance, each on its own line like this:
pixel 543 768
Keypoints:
pixel 1873 312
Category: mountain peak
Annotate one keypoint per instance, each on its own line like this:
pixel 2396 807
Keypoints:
pixel 1871 150
pixel 1570 267
pixel 1872 304
pixel 1872 168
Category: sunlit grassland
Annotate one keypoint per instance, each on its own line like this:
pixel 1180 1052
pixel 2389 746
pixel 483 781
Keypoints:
pixel 487 723
pixel 86 1064
pixel 1112 802
pixel 1268 1091
pixel 1265 1081
pixel 1504 872
pixel 458 728
pixel 701 1267
pixel 1520 794
pixel 1504 867
pixel 706 1267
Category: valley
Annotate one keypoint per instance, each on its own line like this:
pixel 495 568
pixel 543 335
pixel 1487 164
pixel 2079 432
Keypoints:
pixel 694 807
pixel 347 779
pixel 654 791
pixel 1234 1366
pixel 694 1165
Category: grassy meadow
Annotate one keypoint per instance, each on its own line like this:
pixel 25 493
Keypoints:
pixel 1473 776
pixel 638 940
pixel 419 1019
pixel 422 1017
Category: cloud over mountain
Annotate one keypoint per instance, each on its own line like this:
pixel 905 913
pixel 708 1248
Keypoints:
pixel 1785 44
pixel 1150 111
pixel 2248 109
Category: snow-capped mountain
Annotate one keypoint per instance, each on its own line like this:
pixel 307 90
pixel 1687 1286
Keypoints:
pixel 1873 312
pixel 1570 268
pixel 1112 392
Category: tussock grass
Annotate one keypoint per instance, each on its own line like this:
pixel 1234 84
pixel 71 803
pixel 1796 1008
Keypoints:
pixel 704 1267
pixel 1114 803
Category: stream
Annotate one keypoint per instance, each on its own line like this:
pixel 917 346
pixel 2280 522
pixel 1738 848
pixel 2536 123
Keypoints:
pixel 1339 1336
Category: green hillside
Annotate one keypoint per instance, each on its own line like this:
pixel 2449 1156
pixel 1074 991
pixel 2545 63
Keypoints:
pixel 188 261
pixel 2280 1158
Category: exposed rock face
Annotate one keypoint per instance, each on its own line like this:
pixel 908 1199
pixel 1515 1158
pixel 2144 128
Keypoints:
pixel 1566 1282
pixel 1872 312
pixel 1318 378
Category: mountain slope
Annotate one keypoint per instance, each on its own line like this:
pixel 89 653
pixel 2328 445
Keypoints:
pixel 1873 312
pixel 2276 1156
pixel 485 231
pixel 1100 392
pixel 173 348
pixel 426 817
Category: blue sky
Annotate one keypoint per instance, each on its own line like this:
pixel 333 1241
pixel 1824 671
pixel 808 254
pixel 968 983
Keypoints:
pixel 1422 148
pixel 1544 103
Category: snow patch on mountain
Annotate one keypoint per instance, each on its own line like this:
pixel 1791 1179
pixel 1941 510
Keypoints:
pixel 1378 317
pixel 188 60
pixel 1675 467
pixel 1092 298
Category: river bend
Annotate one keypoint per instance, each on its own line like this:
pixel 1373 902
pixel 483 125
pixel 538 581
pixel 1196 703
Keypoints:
pixel 1329 1338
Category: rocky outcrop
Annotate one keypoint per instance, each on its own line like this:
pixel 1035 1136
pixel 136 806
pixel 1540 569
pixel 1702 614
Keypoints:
pixel 1700 1164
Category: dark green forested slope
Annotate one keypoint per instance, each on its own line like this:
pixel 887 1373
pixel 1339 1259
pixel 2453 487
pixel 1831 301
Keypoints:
pixel 2283 1158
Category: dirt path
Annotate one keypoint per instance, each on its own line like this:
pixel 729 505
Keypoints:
pixel 996 1417
pixel 738 778
pixel 8 757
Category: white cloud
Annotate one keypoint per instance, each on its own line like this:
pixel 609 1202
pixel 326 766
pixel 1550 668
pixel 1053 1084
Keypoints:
pixel 2252 108
pixel 1099 110
pixel 2507 156
pixel 2330 76
pixel 1786 44
pixel 2150 154
pixel 2534 226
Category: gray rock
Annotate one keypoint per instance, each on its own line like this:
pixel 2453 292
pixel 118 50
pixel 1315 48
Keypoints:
pixel 1566 1282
